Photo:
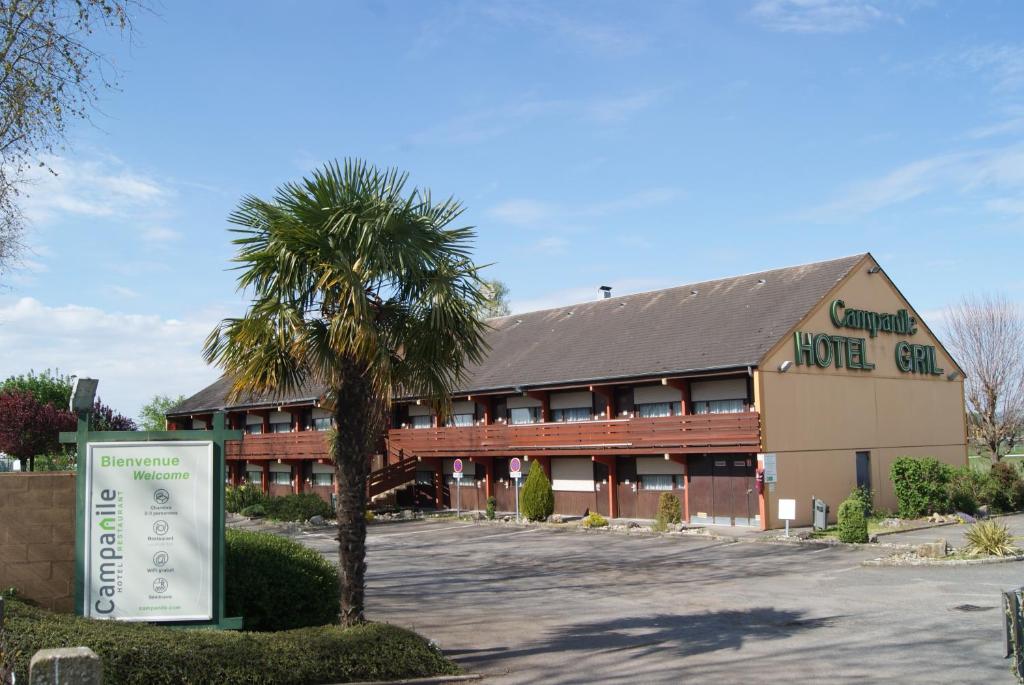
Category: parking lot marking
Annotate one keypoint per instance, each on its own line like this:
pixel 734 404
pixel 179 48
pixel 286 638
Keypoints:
pixel 419 530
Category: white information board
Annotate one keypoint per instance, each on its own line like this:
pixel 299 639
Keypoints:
pixel 787 509
pixel 769 464
pixel 149 531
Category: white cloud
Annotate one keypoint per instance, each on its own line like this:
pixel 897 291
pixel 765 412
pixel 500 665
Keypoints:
pixel 529 213
pixel 122 291
pixel 818 16
pixel 605 39
pixel 134 356
pixel 967 173
pixel 1001 64
pixel 552 245
pixel 102 187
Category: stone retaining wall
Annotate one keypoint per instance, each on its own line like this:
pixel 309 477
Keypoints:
pixel 37 537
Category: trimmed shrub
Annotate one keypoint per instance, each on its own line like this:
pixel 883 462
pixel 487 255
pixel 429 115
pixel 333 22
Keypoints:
pixel 492 504
pixel 238 497
pixel 297 507
pixel 157 655
pixel 1008 487
pixel 921 486
pixel 594 520
pixel 969 488
pixel 866 497
pixel 852 524
pixel 254 511
pixel 537 499
pixel 669 509
pixel 989 538
pixel 277 584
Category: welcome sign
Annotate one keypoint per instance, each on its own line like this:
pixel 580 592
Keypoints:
pixel 149 531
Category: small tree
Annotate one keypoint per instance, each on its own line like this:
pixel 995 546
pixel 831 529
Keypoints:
pixel 48 387
pixel 986 335
pixel 496 304
pixel 492 504
pixel 29 427
pixel 853 525
pixel 104 418
pixel 669 509
pixel 537 499
pixel 153 416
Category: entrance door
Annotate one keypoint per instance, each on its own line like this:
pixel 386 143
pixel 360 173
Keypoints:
pixel 701 485
pixel 742 496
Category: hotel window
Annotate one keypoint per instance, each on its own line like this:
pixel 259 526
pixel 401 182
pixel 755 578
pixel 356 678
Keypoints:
pixel 281 477
pixel 719 406
pixel 656 409
pixel 254 477
pixel 658 482
pixel 323 479
pixel 281 427
pixel 523 415
pixel 571 415
pixel 254 428
pixel 322 423
pixel 459 420
pixel 422 421
pixel 424 478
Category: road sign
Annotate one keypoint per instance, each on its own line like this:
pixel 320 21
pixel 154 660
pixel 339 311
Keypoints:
pixel 787 512
pixel 457 475
pixel 457 466
pixel 515 467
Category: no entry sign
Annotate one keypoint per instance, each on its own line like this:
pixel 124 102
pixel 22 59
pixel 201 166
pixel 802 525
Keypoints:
pixel 515 467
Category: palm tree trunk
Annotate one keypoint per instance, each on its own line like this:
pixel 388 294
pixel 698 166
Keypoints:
pixel 359 421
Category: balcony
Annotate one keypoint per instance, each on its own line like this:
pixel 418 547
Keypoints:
pixel 301 444
pixel 696 433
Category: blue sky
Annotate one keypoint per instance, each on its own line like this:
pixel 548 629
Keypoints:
pixel 639 145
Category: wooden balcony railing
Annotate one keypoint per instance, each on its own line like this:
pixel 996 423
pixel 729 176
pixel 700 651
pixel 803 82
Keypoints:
pixel 301 444
pixel 697 433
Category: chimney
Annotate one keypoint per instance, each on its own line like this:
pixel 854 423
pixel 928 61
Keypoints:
pixel 606 291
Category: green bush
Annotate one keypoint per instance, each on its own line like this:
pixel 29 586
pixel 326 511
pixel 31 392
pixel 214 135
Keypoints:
pixel 155 655
pixel 537 499
pixel 238 497
pixel 1008 487
pixel 866 497
pixel 852 524
pixel 254 511
pixel 921 486
pixel 492 504
pixel 969 488
pixel 669 509
pixel 297 507
pixel 594 520
pixel 277 584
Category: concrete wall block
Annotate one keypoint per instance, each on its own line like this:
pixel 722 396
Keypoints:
pixel 64 533
pixel 27 571
pixel 50 551
pixel 13 553
pixel 67 666
pixel 29 533
pixel 11 482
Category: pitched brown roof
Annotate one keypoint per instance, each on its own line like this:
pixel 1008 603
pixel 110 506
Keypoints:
pixel 214 398
pixel 721 324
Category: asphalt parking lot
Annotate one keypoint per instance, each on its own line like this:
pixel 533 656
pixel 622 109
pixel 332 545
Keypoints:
pixel 529 605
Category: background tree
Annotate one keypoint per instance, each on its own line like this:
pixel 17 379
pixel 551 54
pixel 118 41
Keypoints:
pixel 105 418
pixel 49 76
pixel 153 416
pixel 29 428
pixel 496 293
pixel 364 288
pixel 986 335
pixel 48 387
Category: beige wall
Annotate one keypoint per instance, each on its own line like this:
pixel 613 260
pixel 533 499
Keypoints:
pixel 815 419
pixel 37 537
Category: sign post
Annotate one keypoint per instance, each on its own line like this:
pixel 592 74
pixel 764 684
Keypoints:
pixel 515 469
pixel 787 512
pixel 457 473
pixel 149 541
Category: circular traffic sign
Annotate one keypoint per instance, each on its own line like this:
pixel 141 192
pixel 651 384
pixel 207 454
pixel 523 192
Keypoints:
pixel 515 466
pixel 457 466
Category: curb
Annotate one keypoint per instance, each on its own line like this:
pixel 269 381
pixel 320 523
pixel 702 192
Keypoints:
pixel 433 680
pixel 936 562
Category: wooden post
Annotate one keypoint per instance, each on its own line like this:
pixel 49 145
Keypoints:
pixel 681 459
pixel 613 483
pixel 438 484
pixel 265 483
pixel 297 473
pixel 489 476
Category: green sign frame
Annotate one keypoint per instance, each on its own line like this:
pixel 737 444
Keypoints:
pixel 220 433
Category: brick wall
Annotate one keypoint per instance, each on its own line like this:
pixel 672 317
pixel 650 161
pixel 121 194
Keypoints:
pixel 37 537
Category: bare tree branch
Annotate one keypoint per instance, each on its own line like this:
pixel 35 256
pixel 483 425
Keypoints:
pixel 986 334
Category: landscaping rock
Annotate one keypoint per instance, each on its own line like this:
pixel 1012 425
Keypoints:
pixel 556 518
pixel 408 515
pixel 891 523
pixel 316 521
pixel 983 512
pixel 632 524
pixel 506 519
pixel 966 518
pixel 932 550
pixel 78 665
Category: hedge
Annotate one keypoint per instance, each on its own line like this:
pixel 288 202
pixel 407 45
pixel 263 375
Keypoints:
pixel 852 525
pixel 277 584
pixel 921 486
pixel 139 653
pixel 297 507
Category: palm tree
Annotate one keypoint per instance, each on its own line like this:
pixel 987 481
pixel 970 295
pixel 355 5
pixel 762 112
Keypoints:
pixel 365 289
